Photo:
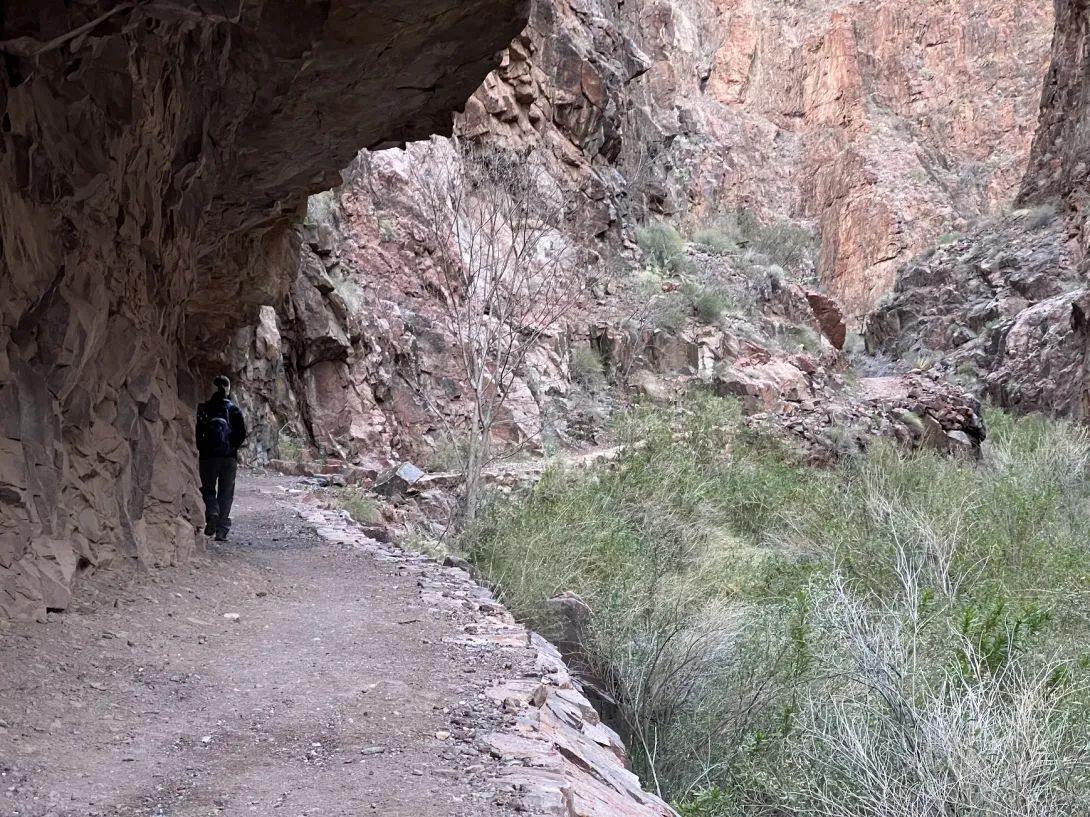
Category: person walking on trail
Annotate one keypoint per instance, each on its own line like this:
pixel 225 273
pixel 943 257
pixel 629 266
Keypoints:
pixel 221 431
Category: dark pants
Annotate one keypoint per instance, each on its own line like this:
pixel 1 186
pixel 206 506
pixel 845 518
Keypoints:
pixel 218 490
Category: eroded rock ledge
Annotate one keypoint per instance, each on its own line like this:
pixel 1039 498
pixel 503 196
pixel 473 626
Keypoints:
pixel 154 158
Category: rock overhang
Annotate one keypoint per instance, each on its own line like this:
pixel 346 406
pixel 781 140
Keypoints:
pixel 155 157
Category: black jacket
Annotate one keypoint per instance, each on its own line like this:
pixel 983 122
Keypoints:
pixel 219 406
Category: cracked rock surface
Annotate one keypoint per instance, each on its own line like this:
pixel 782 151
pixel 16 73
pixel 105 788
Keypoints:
pixel 154 159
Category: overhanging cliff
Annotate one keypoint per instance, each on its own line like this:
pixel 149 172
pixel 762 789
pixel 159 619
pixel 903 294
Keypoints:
pixel 154 159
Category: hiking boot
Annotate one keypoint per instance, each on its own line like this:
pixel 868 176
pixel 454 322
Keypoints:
pixel 221 537
pixel 211 525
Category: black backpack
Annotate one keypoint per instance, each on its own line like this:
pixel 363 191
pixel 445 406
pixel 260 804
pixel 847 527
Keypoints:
pixel 218 433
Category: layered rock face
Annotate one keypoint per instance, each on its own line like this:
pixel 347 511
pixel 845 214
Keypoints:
pixel 881 125
pixel 886 124
pixel 154 158
pixel 1005 310
pixel 1008 308
pixel 1058 164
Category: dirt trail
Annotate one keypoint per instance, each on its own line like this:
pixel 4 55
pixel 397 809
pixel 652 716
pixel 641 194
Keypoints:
pixel 332 694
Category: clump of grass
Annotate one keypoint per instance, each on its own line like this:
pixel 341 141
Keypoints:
pixel 359 506
pixel 709 302
pixel 715 241
pixel 779 639
pixel 288 447
pixel 948 238
pixel 586 367
pixel 670 312
pixel 783 243
pixel 664 247
pixel 800 338
pixel 449 453
pixel 1041 216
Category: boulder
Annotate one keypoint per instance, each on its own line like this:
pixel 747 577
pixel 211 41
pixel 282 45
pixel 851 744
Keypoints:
pixel 829 317
pixel 398 480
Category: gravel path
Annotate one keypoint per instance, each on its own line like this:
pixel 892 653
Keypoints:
pixel 278 675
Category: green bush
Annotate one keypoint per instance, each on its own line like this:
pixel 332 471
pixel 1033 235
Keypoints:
pixel 360 507
pixel 715 241
pixel 586 367
pixel 670 312
pixel 288 447
pixel 783 244
pixel 779 638
pixel 664 247
pixel 709 303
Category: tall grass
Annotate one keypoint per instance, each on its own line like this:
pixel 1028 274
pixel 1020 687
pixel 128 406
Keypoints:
pixel 905 634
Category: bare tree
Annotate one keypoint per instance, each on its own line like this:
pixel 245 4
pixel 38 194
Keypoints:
pixel 507 274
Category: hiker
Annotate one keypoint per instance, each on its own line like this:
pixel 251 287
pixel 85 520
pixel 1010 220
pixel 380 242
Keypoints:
pixel 221 431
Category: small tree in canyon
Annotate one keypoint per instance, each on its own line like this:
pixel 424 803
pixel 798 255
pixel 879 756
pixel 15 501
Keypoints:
pixel 506 273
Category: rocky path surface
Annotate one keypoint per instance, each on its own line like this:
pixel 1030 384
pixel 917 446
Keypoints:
pixel 281 675
pixel 300 669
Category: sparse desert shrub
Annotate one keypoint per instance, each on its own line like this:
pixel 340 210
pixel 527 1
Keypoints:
pixel 670 312
pixel 710 306
pixel 663 246
pixel 288 447
pixel 794 338
pixel 784 243
pixel 715 241
pixel 902 634
pixel 948 238
pixel 1041 216
pixel 854 344
pixel 586 367
pixel 842 441
pixel 709 302
pixel 787 244
pixel 359 506
pixel 449 453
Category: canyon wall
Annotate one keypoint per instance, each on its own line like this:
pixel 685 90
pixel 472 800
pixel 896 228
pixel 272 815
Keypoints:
pixel 154 159
pixel 1007 309
pixel 1058 169
pixel 881 126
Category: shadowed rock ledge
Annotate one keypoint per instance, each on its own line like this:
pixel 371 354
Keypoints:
pixel 154 159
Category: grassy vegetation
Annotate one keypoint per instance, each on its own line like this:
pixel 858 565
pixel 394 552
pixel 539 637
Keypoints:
pixel 664 248
pixel 359 506
pixel 904 634
pixel 586 367
pixel 1041 216
pixel 783 243
pixel 709 302
pixel 288 447
pixel 714 241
